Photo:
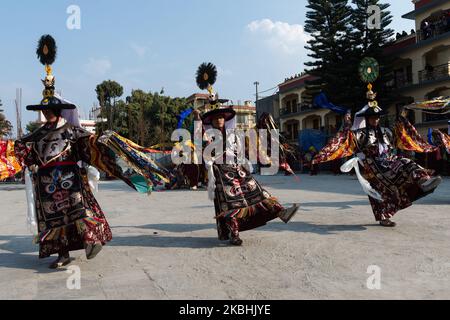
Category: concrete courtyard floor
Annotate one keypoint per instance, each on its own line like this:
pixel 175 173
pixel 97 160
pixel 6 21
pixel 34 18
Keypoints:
pixel 165 247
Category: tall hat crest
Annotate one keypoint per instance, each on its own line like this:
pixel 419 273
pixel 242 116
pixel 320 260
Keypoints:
pixel 206 77
pixel 46 53
pixel 369 71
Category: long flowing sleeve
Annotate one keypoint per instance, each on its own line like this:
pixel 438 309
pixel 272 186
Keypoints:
pixel 441 140
pixel 103 153
pixel 341 146
pixel 10 164
pixel 407 138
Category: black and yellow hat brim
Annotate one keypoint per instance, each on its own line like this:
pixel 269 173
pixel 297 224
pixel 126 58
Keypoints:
pixel 227 113
pixel 51 104
pixel 372 112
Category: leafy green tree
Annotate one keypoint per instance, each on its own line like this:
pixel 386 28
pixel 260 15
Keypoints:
pixel 341 38
pixel 328 22
pixel 147 118
pixel 33 126
pixel 107 94
pixel 5 125
pixel 140 104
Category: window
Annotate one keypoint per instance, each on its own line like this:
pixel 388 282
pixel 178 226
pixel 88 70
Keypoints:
pixel 409 74
pixel 316 124
pixel 295 131
pixel 294 106
pixel 289 131
pixel 338 122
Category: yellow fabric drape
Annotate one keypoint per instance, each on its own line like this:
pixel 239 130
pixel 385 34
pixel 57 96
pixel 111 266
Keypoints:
pixel 9 165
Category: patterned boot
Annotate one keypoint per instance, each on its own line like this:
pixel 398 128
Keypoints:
pixel 287 214
pixel 62 261
pixel 233 227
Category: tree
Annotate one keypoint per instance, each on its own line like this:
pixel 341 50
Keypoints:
pixel 140 103
pixel 5 125
pixel 341 39
pixel 147 118
pixel 328 22
pixel 33 126
pixel 107 94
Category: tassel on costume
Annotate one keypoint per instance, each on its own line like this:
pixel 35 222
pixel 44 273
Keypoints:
pixel 54 234
pixel 267 205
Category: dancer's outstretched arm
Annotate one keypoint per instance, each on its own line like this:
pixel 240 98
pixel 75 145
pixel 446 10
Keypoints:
pixel 407 138
pixel 441 140
pixel 341 146
pixel 104 151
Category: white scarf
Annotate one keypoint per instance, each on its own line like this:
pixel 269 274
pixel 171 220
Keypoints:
pixel 360 123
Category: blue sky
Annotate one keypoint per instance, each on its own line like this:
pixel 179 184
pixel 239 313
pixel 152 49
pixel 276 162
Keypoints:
pixel 150 44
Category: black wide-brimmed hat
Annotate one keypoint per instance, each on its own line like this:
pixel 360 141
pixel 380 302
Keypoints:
pixel 52 103
pixel 228 113
pixel 372 112
pixel 46 52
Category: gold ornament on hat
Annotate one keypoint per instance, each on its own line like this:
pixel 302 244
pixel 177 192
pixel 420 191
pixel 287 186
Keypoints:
pixel 46 52
pixel 369 71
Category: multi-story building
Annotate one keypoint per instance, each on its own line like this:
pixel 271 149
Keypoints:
pixel 245 114
pixel 198 100
pixel 422 65
pixel 270 105
pixel 297 112
pixel 421 72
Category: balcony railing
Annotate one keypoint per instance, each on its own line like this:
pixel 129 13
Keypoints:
pixel 436 28
pixel 423 35
pixel 436 117
pixel 400 82
pixel 301 107
pixel 435 73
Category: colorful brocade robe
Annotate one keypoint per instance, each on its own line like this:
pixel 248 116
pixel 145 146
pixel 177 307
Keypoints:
pixel 67 213
pixel 9 166
pixel 441 140
pixel 395 178
pixel 240 202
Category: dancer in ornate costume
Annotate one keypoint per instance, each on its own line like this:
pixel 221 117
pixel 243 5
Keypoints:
pixel 442 141
pixel 241 203
pixel 392 182
pixel 287 151
pixel 57 159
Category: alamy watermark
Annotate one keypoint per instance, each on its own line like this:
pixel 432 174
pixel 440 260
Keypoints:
pixel 229 148
pixel 74 20
pixel 374 281
pixel 74 280
pixel 374 19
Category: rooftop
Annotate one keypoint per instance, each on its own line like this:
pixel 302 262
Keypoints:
pixel 244 108
pixel 295 83
pixel 422 6
pixel 401 44
pixel 195 96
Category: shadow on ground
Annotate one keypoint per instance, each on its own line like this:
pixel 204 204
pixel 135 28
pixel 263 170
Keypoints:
pixel 300 227
pixel 21 253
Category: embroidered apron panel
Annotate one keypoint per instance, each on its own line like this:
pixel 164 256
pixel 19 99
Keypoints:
pixel 60 199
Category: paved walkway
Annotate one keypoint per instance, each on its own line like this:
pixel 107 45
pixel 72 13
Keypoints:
pixel 165 247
